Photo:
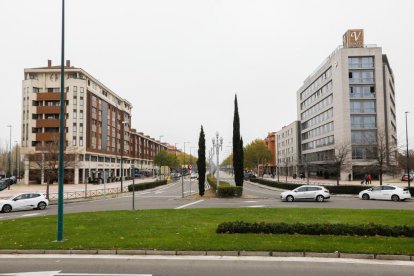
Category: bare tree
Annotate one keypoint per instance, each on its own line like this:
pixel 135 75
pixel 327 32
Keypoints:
pixel 340 160
pixel 385 155
pixel 46 159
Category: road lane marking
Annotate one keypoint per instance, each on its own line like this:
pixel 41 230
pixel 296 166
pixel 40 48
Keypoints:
pixel 29 215
pixel 57 273
pixel 250 201
pixel 256 206
pixel 189 204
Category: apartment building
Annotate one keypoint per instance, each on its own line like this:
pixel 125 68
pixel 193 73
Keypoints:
pixel 99 138
pixel 270 142
pixel 348 102
pixel 288 149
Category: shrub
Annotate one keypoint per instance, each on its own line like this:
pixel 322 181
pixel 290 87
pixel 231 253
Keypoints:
pixel 230 191
pixel 224 189
pixel 316 229
pixel 342 189
pixel 146 185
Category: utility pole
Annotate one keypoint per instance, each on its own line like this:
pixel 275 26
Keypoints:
pixel 408 156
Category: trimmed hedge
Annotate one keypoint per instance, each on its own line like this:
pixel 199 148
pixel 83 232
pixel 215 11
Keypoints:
pixel 224 189
pixel 316 229
pixel 341 189
pixel 146 185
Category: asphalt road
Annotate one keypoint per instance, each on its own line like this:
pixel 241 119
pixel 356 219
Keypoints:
pixel 170 197
pixel 202 265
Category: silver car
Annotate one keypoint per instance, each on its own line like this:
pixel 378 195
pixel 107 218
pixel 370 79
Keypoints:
pixel 306 192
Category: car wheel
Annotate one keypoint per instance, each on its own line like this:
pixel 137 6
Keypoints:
pixel 365 196
pixel 320 198
pixel 6 209
pixel 41 205
pixel 289 198
pixel 395 198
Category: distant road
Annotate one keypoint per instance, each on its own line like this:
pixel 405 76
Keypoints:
pixel 169 197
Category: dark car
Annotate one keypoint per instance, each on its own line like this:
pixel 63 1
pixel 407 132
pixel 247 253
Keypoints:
pixel 3 185
pixel 249 175
pixel 139 175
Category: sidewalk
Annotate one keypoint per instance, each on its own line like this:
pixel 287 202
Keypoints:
pixel 327 182
pixel 92 189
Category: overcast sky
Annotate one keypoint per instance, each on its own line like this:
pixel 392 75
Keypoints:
pixel 180 62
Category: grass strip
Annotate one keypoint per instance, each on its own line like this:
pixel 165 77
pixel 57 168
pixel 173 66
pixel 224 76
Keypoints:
pixel 194 229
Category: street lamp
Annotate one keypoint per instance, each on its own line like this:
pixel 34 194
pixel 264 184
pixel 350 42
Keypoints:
pixel 191 164
pixel 9 173
pixel 17 164
pixel 182 173
pixel 122 153
pixel 408 158
pixel 218 144
pixel 160 156
pixel 61 132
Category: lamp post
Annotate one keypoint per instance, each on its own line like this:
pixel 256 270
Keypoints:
pixel 17 167
pixel 122 154
pixel 175 150
pixel 133 188
pixel 158 153
pixel 408 157
pixel 191 164
pixel 9 158
pixel 182 173
pixel 61 131
pixel 218 144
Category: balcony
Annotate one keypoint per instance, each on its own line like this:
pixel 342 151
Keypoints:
pixel 48 109
pixel 49 96
pixel 47 123
pixel 49 136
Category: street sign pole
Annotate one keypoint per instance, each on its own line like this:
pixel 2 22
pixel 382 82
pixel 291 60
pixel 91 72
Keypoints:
pixel 133 187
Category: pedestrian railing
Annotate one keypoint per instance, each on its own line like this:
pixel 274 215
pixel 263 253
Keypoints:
pixel 83 194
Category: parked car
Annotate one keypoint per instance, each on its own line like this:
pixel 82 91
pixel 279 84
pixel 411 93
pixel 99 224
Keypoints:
pixel 405 177
pixel 249 175
pixel 139 175
pixel 24 201
pixel 194 175
pixel 3 185
pixel 385 192
pixel 306 192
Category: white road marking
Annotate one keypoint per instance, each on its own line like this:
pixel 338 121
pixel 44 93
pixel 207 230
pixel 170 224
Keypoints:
pixel 29 215
pixel 189 204
pixel 159 192
pixel 209 258
pixel 57 273
pixel 251 201
pixel 256 206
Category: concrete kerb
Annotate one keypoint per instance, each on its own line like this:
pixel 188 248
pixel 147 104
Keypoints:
pixel 209 253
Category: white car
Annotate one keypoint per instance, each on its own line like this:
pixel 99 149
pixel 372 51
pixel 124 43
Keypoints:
pixel 194 175
pixel 386 192
pixel 306 192
pixel 24 201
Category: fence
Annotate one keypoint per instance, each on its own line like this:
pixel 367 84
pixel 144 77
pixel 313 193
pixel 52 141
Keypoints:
pixel 81 194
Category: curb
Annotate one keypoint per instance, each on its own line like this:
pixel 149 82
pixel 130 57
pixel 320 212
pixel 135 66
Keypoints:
pixel 209 253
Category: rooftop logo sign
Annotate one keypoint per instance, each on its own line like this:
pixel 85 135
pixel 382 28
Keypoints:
pixel 354 38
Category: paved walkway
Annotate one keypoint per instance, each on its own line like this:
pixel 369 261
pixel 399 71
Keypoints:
pixel 322 181
pixel 70 188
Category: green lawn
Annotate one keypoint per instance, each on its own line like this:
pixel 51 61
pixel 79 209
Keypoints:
pixel 194 229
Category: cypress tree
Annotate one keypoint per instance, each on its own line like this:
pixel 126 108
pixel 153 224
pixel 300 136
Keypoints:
pixel 201 162
pixel 237 145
